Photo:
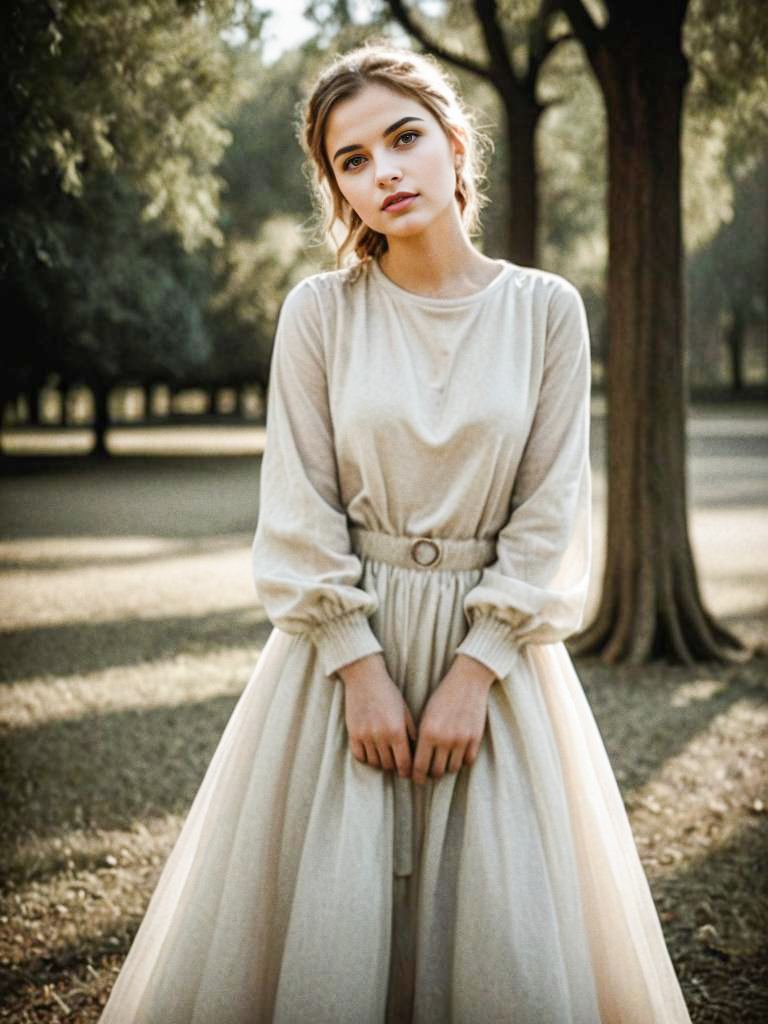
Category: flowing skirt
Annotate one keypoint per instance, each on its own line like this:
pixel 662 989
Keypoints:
pixel 305 886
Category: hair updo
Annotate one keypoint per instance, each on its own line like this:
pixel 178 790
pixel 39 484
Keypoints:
pixel 413 74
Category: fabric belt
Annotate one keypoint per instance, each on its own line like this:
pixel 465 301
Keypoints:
pixel 423 553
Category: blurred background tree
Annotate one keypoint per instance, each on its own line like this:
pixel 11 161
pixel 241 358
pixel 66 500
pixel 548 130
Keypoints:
pixel 113 118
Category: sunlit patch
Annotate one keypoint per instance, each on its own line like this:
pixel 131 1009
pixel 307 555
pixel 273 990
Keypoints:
pixel 714 789
pixel 700 689
pixel 82 581
pixel 185 678
pixel 35 550
pixel 186 440
pixel 53 442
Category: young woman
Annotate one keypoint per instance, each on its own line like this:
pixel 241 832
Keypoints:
pixel 411 815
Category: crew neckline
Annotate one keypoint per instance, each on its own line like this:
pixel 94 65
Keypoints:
pixel 437 301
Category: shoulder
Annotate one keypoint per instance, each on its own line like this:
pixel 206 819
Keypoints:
pixel 319 294
pixel 546 287
pixel 559 311
pixel 309 313
pixel 557 303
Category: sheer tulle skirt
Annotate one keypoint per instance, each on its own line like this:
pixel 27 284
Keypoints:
pixel 307 887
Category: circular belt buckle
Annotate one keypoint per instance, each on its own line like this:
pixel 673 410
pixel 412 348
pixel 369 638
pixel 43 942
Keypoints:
pixel 426 558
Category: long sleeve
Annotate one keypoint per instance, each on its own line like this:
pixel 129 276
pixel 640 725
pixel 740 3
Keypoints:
pixel 303 565
pixel 535 591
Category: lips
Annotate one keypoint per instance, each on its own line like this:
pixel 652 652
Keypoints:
pixel 396 198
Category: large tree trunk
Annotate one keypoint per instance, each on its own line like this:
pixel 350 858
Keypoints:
pixel 523 193
pixel 651 605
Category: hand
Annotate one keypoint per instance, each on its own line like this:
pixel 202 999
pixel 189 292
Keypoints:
pixel 378 719
pixel 453 721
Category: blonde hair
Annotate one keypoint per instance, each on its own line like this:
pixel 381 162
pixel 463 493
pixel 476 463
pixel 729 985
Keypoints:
pixel 416 75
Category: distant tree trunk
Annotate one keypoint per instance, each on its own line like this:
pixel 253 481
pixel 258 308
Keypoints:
pixel 101 420
pixel 62 411
pixel 33 413
pixel 651 606
pixel 734 340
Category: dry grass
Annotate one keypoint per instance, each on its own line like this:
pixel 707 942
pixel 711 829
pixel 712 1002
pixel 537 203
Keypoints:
pixel 129 628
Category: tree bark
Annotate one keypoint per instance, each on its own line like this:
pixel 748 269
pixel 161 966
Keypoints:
pixel 522 121
pixel 651 606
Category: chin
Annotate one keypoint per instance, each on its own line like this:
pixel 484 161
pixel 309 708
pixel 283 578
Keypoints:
pixel 403 228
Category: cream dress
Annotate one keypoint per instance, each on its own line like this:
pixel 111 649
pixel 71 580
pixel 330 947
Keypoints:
pixel 306 887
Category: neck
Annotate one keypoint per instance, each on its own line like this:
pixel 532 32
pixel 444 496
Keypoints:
pixel 439 262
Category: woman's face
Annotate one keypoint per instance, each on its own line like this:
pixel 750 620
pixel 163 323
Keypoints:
pixel 380 143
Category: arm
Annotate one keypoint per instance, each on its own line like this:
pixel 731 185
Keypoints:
pixel 536 589
pixel 305 571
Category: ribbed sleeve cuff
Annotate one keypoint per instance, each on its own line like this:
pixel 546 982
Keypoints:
pixel 491 641
pixel 343 640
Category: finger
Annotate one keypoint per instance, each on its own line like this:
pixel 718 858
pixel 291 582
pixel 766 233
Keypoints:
pixel 358 750
pixel 385 757
pixel 456 760
pixel 402 755
pixel 439 761
pixel 421 761
pixel 413 731
pixel 372 755
pixel 472 751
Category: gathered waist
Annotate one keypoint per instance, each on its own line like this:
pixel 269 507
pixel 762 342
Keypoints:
pixel 422 552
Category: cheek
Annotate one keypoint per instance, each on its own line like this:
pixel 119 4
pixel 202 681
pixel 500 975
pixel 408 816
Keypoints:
pixel 346 187
pixel 359 200
pixel 348 196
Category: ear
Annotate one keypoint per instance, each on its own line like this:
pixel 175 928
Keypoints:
pixel 458 141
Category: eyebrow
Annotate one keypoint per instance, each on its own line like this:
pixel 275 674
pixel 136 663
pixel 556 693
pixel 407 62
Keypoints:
pixel 384 134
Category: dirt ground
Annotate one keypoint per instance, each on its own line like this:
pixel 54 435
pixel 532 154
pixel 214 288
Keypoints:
pixel 129 628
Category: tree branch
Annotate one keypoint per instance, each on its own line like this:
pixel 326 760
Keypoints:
pixel 581 20
pixel 540 46
pixel 401 14
pixel 501 65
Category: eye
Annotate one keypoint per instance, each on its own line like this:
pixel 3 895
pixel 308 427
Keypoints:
pixel 406 134
pixel 348 162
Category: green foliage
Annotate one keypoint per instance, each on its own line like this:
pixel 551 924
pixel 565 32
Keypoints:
pixel 254 275
pixel 113 117
pixel 139 89
pixel 727 274
pixel 263 166
pixel 103 297
pixel 726 42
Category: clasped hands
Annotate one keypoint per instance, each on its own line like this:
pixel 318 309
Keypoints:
pixel 380 724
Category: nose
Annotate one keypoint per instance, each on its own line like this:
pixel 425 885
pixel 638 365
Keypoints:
pixel 387 170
